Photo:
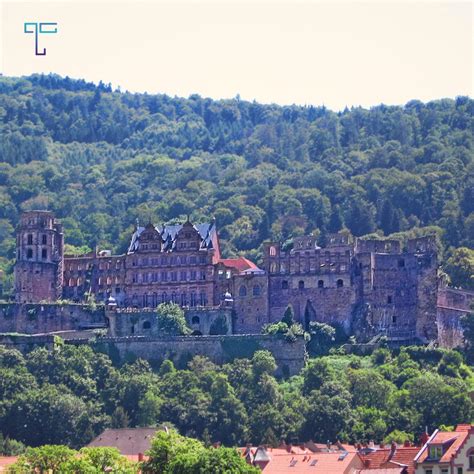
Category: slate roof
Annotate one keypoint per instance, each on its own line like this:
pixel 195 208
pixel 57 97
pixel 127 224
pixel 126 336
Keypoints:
pixel 129 441
pixel 168 235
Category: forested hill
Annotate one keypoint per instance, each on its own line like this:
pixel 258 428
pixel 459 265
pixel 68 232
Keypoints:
pixel 100 158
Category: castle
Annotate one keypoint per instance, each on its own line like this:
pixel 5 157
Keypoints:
pixel 366 287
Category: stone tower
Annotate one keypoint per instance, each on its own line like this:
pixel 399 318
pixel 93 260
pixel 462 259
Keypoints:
pixel 39 258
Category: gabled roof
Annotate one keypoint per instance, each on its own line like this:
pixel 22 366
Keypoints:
pixel 129 441
pixel 241 264
pixel 169 233
pixel 450 440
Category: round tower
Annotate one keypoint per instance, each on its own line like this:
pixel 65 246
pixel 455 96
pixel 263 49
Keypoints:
pixel 39 258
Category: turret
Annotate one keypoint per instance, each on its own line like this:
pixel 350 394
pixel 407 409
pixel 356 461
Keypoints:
pixel 39 258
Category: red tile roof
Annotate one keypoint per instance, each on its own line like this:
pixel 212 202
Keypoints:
pixel 241 264
pixel 6 461
pixel 282 462
pixel 381 458
pixel 451 441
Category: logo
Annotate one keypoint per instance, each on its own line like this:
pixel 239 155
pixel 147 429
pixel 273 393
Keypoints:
pixel 39 29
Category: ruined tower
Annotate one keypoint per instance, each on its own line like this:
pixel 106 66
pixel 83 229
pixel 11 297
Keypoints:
pixel 39 258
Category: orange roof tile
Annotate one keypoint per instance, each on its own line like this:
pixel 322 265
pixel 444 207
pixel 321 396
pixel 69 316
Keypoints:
pixel 241 264
pixel 282 462
pixel 380 459
pixel 6 461
pixel 451 441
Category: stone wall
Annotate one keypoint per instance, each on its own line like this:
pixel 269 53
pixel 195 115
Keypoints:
pixel 48 317
pixel 450 332
pixel 143 322
pixel 290 357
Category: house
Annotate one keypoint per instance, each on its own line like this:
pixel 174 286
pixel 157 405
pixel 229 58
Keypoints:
pixel 131 442
pixel 297 459
pixel 447 452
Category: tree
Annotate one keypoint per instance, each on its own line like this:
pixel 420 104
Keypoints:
pixel 323 337
pixel 44 458
pixel 460 268
pixel 171 320
pixel 223 461
pixel 289 316
pixel 219 326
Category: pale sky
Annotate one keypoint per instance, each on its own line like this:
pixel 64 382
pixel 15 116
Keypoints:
pixel 339 53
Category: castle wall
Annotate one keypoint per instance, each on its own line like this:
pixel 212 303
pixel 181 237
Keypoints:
pixel 44 318
pixel 143 322
pixel 290 357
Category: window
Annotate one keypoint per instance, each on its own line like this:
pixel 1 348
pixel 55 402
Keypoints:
pixel 394 319
pixel 436 452
pixel 174 276
pixel 44 254
pixel 459 470
pixel 193 274
pixel 195 320
pixel 428 471
pixel 340 283
pixel 29 253
pixel 284 285
pixel 273 267
pixel 401 263
pixel 30 239
pixel 164 297
pixel 193 298
pixel 256 290
pixel 164 276
pixel 183 276
pixel 44 239
pixel 202 299
pixel 243 291
pixel 202 275
pixel 272 251
pixel 146 325
pixel 389 299
pixel 471 459
pixel 183 299
pixel 444 471
pixel 320 283
pixel 301 285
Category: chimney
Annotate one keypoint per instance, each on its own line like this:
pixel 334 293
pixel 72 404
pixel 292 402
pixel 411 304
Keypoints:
pixel 382 445
pixel 406 444
pixel 140 457
pixel 393 450
pixel 424 438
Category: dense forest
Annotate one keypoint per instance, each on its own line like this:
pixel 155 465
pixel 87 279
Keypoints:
pixel 70 394
pixel 100 159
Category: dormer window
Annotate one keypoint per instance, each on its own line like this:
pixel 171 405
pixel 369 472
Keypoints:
pixel 436 452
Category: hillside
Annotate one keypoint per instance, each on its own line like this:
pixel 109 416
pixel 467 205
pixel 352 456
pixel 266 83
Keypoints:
pixel 100 159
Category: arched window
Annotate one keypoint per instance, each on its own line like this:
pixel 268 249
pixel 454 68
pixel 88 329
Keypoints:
pixel 470 455
pixel 320 283
pixel 146 325
pixel 272 251
pixel 301 285
pixel 273 267
pixel 340 283
pixel 243 291
pixel 109 280
pixel 79 281
pixel 284 285
pixel 256 290
pixel 195 320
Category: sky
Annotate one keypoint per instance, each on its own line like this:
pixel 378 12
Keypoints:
pixel 337 54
